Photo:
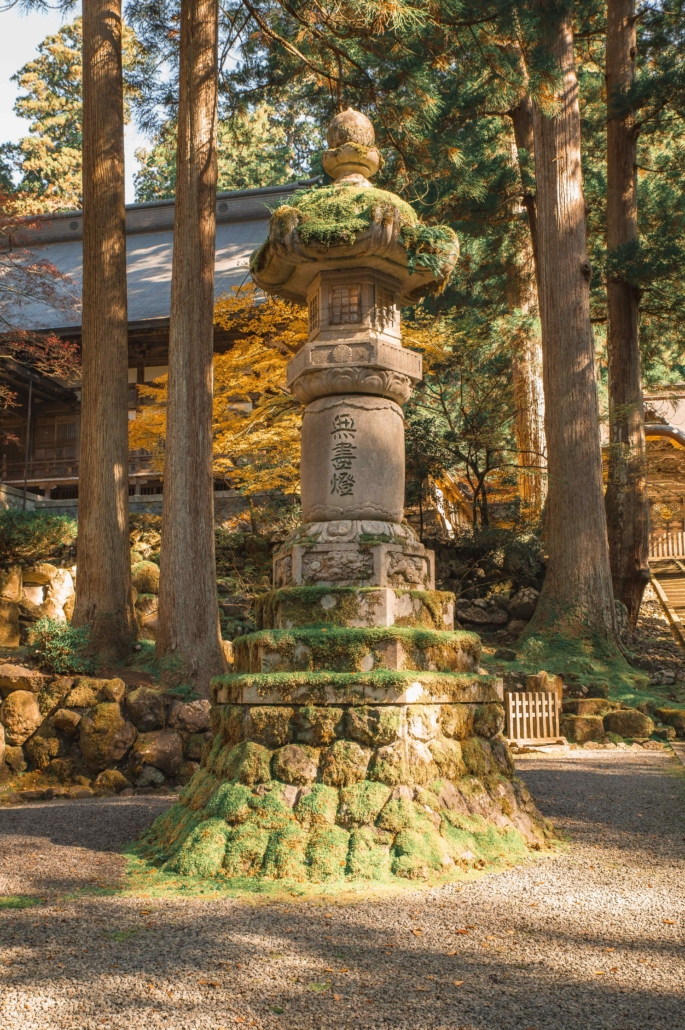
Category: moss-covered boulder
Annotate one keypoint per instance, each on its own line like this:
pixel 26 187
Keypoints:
pixel 105 736
pixel 110 781
pixel 579 729
pixel 343 763
pixel 145 577
pixel 374 725
pixel 316 725
pixel 588 706
pixel 145 709
pixel 674 717
pixel 161 749
pixel 628 722
pixel 296 764
pixel 20 715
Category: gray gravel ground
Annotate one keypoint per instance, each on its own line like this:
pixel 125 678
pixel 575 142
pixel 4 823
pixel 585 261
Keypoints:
pixel 593 939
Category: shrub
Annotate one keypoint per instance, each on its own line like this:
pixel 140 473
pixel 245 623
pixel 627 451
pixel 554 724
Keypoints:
pixel 59 647
pixel 29 537
pixel 490 558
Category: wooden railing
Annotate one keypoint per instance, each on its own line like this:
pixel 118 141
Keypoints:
pixel 532 718
pixel 667 543
pixel 62 468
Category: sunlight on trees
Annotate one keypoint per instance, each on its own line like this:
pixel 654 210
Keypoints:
pixel 256 421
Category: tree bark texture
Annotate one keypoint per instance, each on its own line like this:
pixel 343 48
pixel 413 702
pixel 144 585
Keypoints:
pixel 527 354
pixel 576 596
pixel 626 497
pixel 188 640
pixel 103 581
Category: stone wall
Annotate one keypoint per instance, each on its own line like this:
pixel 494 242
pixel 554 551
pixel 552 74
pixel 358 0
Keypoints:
pixel 96 733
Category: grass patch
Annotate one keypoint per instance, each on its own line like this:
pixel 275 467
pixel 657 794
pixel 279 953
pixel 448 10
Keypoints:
pixel 122 935
pixel 19 901
pixel 144 881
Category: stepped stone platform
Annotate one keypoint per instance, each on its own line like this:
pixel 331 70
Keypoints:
pixel 344 753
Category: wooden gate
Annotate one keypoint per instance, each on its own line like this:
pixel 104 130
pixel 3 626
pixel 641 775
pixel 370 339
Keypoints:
pixel 532 718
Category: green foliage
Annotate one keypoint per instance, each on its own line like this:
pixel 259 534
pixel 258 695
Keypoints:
pixel 47 161
pixel 30 537
pixel 428 246
pixel 59 648
pixel 461 419
pixel 258 145
pixel 586 659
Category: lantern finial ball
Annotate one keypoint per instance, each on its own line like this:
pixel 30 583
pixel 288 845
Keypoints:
pixel 350 126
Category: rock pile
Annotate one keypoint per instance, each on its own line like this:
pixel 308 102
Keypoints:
pixel 597 719
pixel 97 733
pixel 503 617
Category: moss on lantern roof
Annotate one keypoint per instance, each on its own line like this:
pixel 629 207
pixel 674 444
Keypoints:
pixel 335 215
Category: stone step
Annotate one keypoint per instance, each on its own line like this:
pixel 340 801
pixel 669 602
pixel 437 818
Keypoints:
pixel 380 686
pixel 336 649
pixel 354 607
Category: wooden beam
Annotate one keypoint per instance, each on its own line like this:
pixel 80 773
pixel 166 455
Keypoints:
pixel 677 627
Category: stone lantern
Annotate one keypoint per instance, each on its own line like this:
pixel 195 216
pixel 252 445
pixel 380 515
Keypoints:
pixel 353 375
pixel 356 738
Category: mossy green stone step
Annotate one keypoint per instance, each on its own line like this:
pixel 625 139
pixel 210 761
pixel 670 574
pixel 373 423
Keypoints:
pixel 341 649
pixel 354 607
pixel 380 686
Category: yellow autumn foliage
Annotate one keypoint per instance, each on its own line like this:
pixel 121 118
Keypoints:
pixel 256 421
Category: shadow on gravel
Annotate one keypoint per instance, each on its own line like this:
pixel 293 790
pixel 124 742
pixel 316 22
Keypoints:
pixel 103 824
pixel 235 950
pixel 624 803
pixel 190 964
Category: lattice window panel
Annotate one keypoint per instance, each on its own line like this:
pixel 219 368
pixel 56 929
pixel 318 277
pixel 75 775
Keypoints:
pixel 314 313
pixel 345 304
pixel 385 307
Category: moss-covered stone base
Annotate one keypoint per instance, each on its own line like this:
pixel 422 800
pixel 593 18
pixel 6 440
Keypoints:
pixel 356 741
pixel 381 686
pixel 323 794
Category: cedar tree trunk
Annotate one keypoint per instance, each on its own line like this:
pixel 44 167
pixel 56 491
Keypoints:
pixel 626 497
pixel 103 581
pixel 527 360
pixel 188 639
pixel 576 597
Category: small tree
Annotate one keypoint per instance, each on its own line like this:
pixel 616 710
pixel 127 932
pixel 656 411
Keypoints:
pixel 26 278
pixel 464 409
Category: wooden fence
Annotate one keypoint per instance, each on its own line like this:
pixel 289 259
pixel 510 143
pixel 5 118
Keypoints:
pixel 532 718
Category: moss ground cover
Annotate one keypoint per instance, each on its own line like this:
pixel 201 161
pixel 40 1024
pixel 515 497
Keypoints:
pixel 586 661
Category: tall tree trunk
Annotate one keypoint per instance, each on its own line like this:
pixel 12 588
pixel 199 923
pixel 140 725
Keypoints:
pixel 626 497
pixel 522 296
pixel 577 595
pixel 189 641
pixel 103 581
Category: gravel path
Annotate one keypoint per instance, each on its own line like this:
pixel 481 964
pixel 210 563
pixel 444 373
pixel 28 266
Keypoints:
pixel 593 939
